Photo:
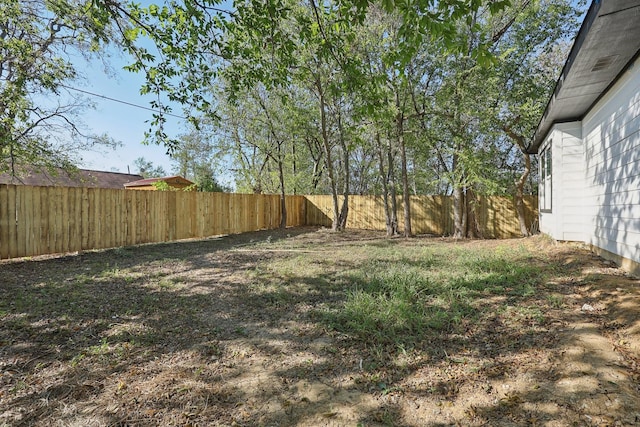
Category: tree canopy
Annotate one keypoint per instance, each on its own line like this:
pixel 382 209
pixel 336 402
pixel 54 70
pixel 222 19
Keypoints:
pixel 38 39
pixel 381 97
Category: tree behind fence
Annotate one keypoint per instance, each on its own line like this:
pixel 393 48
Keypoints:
pixel 46 220
pixel 496 216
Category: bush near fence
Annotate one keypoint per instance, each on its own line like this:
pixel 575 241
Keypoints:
pixel 47 220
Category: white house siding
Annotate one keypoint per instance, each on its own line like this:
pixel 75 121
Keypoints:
pixel 612 168
pixel 572 191
pixel 567 219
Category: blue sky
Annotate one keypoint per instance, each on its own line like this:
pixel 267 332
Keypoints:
pixel 124 123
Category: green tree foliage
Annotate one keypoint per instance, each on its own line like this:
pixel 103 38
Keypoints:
pixel 439 121
pixel 147 169
pixel 195 158
pixel 528 67
pixel 247 140
pixel 198 40
pixel 37 40
pixel 342 96
pixel 164 186
pixel 473 112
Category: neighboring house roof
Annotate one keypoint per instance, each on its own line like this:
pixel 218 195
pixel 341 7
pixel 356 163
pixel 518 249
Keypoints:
pixel 63 178
pixel 606 45
pixel 178 180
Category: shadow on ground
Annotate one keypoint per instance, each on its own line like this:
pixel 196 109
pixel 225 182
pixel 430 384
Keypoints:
pixel 255 330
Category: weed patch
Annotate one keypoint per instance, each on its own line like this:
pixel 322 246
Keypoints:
pixel 409 296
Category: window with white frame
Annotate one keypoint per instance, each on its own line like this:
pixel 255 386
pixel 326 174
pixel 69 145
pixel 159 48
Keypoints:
pixel 545 179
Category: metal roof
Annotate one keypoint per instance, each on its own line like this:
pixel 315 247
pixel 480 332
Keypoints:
pixel 607 43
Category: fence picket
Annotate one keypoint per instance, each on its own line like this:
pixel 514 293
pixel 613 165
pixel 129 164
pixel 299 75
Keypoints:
pixel 44 220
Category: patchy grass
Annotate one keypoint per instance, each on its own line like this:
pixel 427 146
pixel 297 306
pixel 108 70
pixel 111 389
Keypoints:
pixel 407 298
pixel 307 327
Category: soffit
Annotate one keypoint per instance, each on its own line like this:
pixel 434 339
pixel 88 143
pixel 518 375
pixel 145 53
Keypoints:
pixel 606 44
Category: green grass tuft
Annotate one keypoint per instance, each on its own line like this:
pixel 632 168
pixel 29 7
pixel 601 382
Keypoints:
pixel 405 297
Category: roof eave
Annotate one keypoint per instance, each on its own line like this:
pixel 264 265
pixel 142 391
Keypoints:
pixel 541 134
pixel 581 84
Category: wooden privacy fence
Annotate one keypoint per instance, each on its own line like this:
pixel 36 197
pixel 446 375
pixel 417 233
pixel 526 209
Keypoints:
pixel 46 220
pixel 496 216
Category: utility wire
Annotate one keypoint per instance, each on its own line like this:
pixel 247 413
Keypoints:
pixel 124 102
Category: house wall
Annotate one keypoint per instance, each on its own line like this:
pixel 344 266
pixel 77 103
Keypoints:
pixel 549 219
pixel 567 219
pixel 612 168
pixel 596 175
pixel 571 192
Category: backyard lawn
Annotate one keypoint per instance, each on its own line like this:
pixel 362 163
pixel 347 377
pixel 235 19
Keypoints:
pixel 308 327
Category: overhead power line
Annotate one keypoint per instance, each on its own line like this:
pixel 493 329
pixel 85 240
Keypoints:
pixel 123 102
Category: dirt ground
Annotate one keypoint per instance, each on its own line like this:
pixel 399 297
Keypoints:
pixel 195 334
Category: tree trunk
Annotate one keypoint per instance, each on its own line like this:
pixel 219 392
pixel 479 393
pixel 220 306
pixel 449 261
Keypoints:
pixel 459 219
pixel 315 150
pixel 520 182
pixel 459 204
pixel 283 200
pixel 465 213
pixel 473 227
pixel 405 175
pixel 294 167
pixel 327 156
pixel 392 192
pixel 385 187
pixel 392 228
pixel 344 210
pixel 279 159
